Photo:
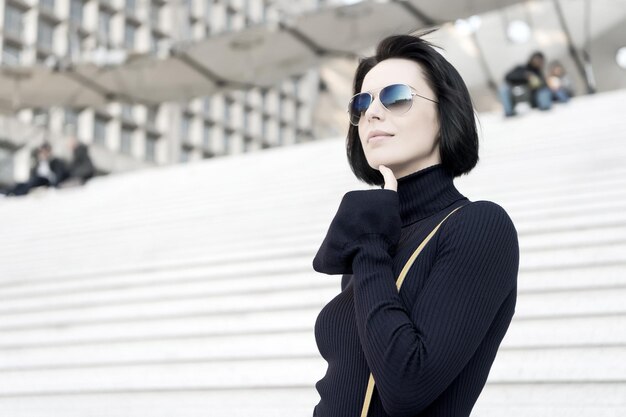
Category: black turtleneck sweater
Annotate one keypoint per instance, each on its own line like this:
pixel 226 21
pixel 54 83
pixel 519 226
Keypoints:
pixel 429 347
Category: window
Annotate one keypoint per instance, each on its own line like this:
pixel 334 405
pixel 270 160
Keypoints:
pixel 7 153
pixel 230 17
pixel 206 134
pixel 227 139
pixel 300 113
pixel 129 36
pixel 11 54
pixel 100 130
pixel 45 34
pixel 6 162
pixel 186 30
pixel 281 134
pixel 76 12
pixel 41 117
pixel 296 138
pixel 151 144
pixel 280 106
pixel 264 123
pixel 155 13
pixel 74 47
pixel 207 11
pixel 47 5
pixel 127 112
pixel 151 117
pixel 246 118
pixel 13 20
pixel 264 102
pixel 228 102
pixel 126 140
pixel 155 42
pixel 296 88
pixel 71 121
pixel 130 7
pixel 185 154
pixel 185 124
pixel 104 25
pixel 189 6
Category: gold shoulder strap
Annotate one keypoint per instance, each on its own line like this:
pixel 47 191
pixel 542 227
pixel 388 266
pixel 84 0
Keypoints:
pixel 399 281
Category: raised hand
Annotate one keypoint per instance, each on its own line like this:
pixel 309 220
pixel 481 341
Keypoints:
pixel 390 179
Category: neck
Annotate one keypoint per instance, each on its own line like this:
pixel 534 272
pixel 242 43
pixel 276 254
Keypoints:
pixel 426 192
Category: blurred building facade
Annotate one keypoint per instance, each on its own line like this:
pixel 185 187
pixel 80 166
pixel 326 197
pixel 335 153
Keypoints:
pixel 126 136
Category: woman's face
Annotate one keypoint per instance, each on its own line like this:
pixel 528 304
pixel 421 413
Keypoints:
pixel 411 141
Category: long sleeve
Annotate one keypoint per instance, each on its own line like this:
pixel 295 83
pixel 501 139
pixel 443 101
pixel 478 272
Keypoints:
pixel 415 354
pixel 518 75
pixel 361 213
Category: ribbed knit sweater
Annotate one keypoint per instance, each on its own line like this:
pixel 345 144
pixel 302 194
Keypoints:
pixel 429 347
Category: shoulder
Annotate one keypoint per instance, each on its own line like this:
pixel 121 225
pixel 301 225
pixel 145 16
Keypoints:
pixel 518 68
pixel 480 219
pixel 480 237
pixel 483 208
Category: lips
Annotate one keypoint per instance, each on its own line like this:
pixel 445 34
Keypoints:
pixel 378 135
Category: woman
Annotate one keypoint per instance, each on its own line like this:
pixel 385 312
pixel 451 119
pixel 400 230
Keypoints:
pixel 430 345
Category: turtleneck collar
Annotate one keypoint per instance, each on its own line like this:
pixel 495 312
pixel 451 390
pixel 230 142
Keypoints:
pixel 426 192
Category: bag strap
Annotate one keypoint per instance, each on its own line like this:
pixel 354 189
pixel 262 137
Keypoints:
pixel 399 281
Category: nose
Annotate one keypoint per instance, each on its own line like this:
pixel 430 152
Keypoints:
pixel 375 110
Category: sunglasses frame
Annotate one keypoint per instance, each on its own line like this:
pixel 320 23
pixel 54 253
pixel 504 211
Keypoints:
pixel 385 107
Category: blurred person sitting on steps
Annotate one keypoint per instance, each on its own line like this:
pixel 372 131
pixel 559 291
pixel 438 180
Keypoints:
pixel 559 83
pixel 46 171
pixel 81 168
pixel 530 76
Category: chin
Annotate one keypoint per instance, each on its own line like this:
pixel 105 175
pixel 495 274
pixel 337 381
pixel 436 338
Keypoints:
pixel 376 164
pixel 388 161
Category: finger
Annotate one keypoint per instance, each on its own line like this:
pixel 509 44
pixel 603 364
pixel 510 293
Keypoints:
pixel 390 180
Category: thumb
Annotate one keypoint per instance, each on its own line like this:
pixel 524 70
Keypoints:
pixel 390 180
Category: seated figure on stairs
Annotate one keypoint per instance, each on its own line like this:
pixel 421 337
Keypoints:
pixel 526 81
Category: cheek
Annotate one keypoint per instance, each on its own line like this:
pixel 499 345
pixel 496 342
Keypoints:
pixel 361 136
pixel 420 130
pixel 425 122
pixel 361 130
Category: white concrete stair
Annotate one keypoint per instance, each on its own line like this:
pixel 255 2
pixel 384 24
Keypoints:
pixel 189 290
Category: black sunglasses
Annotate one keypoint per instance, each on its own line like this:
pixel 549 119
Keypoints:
pixel 396 98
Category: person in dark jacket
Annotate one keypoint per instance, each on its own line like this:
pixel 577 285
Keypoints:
pixel 81 168
pixel 530 76
pixel 47 171
pixel 430 346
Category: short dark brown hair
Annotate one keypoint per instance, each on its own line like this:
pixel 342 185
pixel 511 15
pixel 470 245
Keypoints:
pixel 457 138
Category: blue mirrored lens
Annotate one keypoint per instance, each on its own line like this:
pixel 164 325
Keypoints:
pixel 396 98
pixel 358 106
